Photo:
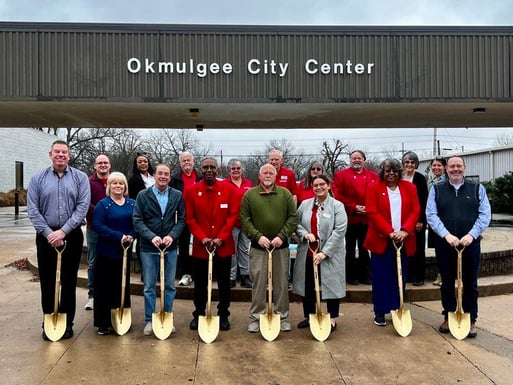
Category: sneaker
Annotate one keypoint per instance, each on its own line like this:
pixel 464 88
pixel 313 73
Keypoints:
pixel 104 331
pixel 254 327
pixel 90 304
pixel 185 280
pixel 379 320
pixel 285 325
pixel 148 329
pixel 444 327
pixel 438 280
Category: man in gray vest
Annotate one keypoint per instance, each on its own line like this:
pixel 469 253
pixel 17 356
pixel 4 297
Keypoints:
pixel 458 211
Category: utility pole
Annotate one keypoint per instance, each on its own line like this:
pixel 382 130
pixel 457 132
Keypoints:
pixel 436 144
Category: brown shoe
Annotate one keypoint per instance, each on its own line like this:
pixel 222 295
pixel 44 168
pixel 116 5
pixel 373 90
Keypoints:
pixel 473 331
pixel 444 328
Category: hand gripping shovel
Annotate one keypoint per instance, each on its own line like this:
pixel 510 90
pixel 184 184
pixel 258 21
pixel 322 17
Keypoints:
pixel 162 322
pixel 55 323
pixel 121 318
pixel 270 322
pixel 320 323
pixel 401 318
pixel 208 326
pixel 459 322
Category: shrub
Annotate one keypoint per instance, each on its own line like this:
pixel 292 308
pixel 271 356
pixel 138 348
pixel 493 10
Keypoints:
pixel 500 194
pixel 7 199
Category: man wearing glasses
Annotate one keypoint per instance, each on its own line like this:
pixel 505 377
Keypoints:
pixel 98 184
pixel 240 259
pixel 211 210
pixel 350 187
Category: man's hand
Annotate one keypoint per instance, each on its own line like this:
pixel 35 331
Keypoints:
pixel 56 238
pixel 167 240
pixel 466 240
pixel 277 242
pixel 452 240
pixel 264 242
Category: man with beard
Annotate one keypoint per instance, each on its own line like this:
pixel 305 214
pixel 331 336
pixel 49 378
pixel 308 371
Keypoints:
pixel 458 211
pixel 212 208
pixel 268 218
pixel 181 180
pixel 349 187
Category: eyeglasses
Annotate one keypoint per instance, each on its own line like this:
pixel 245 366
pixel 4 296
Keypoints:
pixel 321 184
pixel 409 162
pixel 209 167
pixel 235 168
pixel 391 171
pixel 102 162
pixel 316 169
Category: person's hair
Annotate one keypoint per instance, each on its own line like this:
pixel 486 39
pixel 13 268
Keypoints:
pixel 456 156
pixel 163 165
pixel 440 159
pixel 135 170
pixel 410 155
pixel 267 165
pixel 209 158
pixel 360 152
pixel 59 141
pixel 186 153
pixel 308 177
pixel 393 164
pixel 277 151
pixel 233 161
pixel 116 177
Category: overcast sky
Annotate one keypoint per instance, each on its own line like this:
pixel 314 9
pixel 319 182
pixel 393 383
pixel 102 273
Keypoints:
pixel 292 12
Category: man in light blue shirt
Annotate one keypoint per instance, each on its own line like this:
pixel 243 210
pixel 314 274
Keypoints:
pixel 458 211
pixel 57 203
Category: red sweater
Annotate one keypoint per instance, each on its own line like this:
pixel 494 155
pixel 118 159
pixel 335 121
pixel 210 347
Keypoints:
pixel 211 213
pixel 350 188
pixel 287 179
pixel 244 186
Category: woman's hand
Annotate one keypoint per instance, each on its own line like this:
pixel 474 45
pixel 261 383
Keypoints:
pixel 319 257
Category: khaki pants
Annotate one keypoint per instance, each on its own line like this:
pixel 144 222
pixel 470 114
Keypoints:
pixel 258 262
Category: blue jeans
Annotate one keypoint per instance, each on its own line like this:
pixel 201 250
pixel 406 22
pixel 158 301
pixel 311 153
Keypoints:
pixel 241 257
pixel 92 240
pixel 151 266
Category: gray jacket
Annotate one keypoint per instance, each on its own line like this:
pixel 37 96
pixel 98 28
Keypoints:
pixel 332 230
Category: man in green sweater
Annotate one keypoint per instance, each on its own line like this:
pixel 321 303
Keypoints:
pixel 268 218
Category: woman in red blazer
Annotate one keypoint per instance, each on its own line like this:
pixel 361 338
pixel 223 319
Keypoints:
pixel 393 210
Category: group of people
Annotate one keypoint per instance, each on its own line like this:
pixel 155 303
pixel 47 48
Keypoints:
pixel 347 228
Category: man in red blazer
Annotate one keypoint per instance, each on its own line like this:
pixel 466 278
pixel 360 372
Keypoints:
pixel 212 209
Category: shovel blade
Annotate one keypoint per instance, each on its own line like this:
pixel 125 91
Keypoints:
pixel 208 328
pixel 401 319
pixel 459 324
pixel 320 326
pixel 162 324
pixel 55 326
pixel 121 320
pixel 270 326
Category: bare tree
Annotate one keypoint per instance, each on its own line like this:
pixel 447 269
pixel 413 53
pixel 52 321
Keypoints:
pixel 332 161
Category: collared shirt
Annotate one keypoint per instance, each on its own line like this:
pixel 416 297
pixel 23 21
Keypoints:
pixel 162 198
pixel 55 202
pixel 482 221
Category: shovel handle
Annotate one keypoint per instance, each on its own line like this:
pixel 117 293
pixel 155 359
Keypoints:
pixel 209 285
pixel 398 246
pixel 59 251
pixel 125 246
pixel 162 249
pixel 270 281
pixel 459 281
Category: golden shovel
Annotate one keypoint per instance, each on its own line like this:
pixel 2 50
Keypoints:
pixel 270 322
pixel 162 322
pixel 459 322
pixel 401 318
pixel 121 318
pixel 208 326
pixel 320 323
pixel 55 323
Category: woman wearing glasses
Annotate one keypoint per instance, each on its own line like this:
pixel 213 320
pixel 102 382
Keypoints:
pixel 393 210
pixel 304 187
pixel 321 224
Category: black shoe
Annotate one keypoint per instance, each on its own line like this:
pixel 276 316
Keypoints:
pixel 45 337
pixel 232 283
pixel 68 333
pixel 333 327
pixel 353 281
pixel 194 324
pixel 418 283
pixel 444 327
pixel 304 324
pixel 104 331
pixel 224 324
pixel 473 331
pixel 246 282
pixel 379 320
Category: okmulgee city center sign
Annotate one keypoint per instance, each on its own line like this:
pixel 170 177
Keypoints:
pixel 136 75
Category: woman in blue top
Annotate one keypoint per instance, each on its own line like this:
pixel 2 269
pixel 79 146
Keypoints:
pixel 112 221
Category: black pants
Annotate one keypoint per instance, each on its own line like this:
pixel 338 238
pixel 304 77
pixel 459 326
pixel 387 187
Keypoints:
pixel 47 263
pixel 107 290
pixel 417 265
pixel 184 264
pixel 309 300
pixel 357 268
pixel 221 271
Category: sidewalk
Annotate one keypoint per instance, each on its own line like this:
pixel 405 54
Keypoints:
pixel 357 353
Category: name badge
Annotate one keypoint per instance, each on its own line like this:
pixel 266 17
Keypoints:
pixel 326 215
pixel 223 205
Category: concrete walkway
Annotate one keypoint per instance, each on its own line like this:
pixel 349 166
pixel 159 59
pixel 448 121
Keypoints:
pixel 358 352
